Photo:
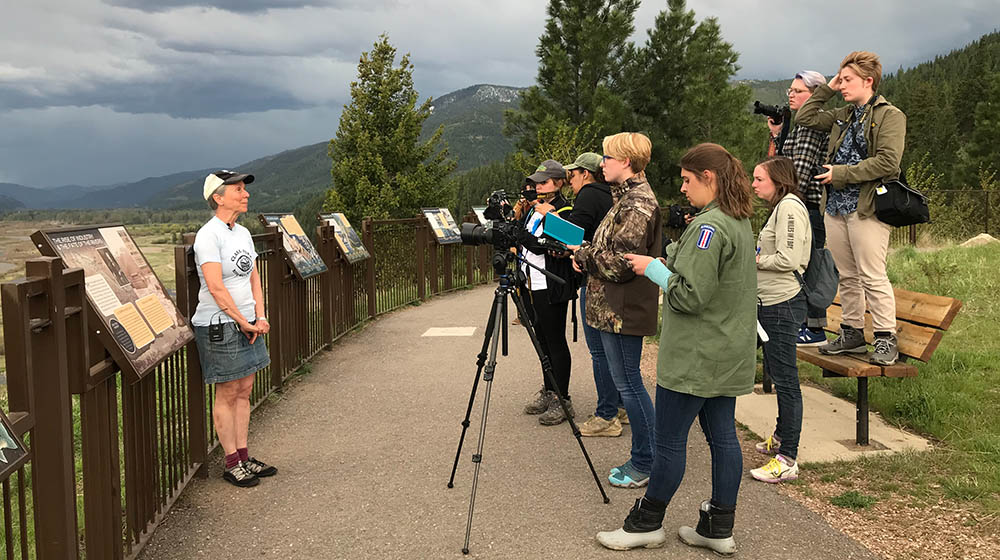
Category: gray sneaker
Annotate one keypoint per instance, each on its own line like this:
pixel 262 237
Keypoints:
pixel 850 341
pixel 541 402
pixel 886 352
pixel 555 415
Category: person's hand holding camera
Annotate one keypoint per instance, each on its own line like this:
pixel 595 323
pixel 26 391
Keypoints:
pixel 544 208
pixel 775 128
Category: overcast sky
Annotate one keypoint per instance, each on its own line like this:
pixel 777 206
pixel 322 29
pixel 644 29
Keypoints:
pixel 98 92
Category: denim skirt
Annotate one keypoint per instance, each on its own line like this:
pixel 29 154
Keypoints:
pixel 231 358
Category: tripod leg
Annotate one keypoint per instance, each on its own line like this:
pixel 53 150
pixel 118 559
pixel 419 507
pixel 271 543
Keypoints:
pixel 547 371
pixel 498 303
pixel 491 364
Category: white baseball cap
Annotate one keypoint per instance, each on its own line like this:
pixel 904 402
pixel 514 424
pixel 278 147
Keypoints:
pixel 223 177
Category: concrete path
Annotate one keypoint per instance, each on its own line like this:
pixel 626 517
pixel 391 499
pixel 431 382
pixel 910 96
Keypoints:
pixel 829 427
pixel 365 445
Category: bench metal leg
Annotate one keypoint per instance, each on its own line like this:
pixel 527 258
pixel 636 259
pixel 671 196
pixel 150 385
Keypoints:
pixel 862 428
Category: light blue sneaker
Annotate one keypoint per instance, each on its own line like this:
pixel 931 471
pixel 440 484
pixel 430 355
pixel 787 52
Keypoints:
pixel 627 476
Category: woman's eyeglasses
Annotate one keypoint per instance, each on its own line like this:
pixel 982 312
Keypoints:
pixel 606 158
pixel 794 91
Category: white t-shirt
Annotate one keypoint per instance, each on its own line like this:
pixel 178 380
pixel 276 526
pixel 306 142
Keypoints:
pixel 233 248
pixel 537 279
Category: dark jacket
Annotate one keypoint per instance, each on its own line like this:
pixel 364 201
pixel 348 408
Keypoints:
pixel 885 133
pixel 560 266
pixel 618 301
pixel 589 208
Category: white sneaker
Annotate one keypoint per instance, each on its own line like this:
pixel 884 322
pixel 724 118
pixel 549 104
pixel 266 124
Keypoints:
pixel 778 469
pixel 621 540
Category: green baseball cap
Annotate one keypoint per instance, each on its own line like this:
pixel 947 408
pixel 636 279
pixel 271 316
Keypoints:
pixel 587 160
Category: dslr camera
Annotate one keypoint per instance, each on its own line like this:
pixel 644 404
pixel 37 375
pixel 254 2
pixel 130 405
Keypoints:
pixel 777 114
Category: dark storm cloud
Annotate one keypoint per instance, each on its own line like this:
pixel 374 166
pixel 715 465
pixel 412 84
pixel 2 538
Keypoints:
pixel 148 76
pixel 241 6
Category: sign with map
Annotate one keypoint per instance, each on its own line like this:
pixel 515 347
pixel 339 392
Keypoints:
pixel 347 239
pixel 301 253
pixel 443 225
pixel 141 324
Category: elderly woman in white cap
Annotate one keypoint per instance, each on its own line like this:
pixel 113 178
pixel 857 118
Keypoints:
pixel 807 149
pixel 229 321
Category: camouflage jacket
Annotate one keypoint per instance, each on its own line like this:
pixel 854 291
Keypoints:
pixel 618 301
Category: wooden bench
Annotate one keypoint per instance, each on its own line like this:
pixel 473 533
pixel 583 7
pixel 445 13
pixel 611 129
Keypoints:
pixel 921 322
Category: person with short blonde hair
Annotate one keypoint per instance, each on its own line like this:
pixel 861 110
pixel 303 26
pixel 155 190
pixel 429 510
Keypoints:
pixel 633 146
pixel 866 148
pixel 620 304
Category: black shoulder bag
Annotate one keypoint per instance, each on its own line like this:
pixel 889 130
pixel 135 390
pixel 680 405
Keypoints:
pixel 898 204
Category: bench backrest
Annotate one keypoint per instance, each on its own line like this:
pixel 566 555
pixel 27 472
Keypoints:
pixel 921 320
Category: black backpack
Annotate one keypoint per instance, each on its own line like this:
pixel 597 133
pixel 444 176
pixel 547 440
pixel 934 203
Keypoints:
pixel 822 278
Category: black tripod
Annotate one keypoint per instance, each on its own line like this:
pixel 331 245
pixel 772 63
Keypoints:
pixel 496 327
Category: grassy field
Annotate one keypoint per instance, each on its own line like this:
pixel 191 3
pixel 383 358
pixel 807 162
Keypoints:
pixel 954 400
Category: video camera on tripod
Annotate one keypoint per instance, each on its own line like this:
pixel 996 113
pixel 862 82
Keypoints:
pixel 502 230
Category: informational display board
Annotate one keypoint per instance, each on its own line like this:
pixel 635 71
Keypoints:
pixel 443 225
pixel 480 214
pixel 142 325
pixel 12 451
pixel 347 239
pixel 305 260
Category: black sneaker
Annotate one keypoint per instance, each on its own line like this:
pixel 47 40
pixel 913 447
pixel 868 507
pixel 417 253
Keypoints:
pixel 239 475
pixel 259 468
pixel 850 341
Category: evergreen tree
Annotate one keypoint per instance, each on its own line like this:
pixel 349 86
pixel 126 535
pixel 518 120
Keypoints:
pixel 684 95
pixel 980 154
pixel 381 169
pixel 580 56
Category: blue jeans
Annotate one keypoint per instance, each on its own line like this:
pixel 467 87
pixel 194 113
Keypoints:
pixel 816 316
pixel 781 321
pixel 675 412
pixel 608 400
pixel 624 352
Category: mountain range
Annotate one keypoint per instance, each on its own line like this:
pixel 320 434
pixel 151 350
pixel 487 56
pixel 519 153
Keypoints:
pixel 472 119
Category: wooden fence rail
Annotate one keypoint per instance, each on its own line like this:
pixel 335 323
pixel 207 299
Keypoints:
pixel 107 458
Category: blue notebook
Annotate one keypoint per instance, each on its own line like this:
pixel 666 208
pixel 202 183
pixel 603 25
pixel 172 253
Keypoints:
pixel 561 230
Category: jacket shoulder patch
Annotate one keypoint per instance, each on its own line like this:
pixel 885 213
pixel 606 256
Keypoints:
pixel 705 236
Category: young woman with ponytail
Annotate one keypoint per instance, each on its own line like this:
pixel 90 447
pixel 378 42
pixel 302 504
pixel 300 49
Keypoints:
pixel 707 352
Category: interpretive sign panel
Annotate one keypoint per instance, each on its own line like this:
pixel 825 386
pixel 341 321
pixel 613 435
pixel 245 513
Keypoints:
pixel 12 452
pixel 305 260
pixel 347 239
pixel 480 214
pixel 444 226
pixel 141 324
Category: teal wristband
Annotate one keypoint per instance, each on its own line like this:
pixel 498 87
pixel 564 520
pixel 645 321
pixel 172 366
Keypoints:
pixel 658 273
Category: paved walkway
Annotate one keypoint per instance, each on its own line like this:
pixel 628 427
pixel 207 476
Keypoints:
pixel 365 445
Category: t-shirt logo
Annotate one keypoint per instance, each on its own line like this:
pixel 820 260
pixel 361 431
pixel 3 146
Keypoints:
pixel 243 262
pixel 705 236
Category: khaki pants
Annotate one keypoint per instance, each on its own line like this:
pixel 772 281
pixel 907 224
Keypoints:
pixel 860 247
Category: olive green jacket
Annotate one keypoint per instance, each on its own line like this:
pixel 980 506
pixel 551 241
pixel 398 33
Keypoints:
pixel 708 340
pixel 885 133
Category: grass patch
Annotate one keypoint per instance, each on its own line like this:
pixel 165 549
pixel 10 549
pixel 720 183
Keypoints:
pixel 853 500
pixel 956 397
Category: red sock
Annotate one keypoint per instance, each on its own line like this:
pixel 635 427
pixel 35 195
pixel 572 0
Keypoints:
pixel 244 454
pixel 232 460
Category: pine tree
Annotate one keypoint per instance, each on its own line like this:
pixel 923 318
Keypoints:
pixel 381 169
pixel 580 68
pixel 683 95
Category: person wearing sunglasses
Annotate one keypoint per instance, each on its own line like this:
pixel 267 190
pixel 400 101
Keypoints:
pixel 620 304
pixel 807 149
